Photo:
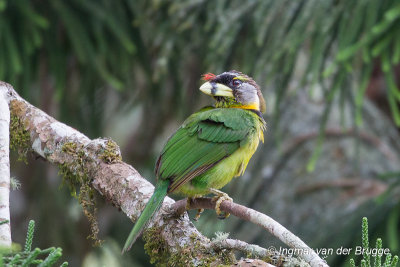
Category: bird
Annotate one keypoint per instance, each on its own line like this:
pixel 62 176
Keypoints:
pixel 211 147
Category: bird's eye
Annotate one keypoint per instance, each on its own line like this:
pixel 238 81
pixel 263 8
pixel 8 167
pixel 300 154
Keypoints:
pixel 236 82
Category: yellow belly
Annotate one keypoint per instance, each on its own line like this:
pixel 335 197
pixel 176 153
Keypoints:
pixel 222 173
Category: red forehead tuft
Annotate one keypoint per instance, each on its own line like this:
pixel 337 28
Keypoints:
pixel 208 76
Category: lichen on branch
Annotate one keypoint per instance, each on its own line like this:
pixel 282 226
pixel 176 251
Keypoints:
pixel 75 175
pixel 19 137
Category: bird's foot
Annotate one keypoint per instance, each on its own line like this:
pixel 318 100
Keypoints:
pixel 199 212
pixel 187 207
pixel 219 198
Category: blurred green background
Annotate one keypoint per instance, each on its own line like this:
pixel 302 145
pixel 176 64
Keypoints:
pixel 130 70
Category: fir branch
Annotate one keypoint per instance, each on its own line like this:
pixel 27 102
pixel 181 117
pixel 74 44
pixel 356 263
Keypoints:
pixel 51 258
pixel 32 256
pixel 28 257
pixel 366 261
pixel 29 236
pixel 388 260
pixel 395 261
pixel 365 242
pixel 15 259
pixel 378 257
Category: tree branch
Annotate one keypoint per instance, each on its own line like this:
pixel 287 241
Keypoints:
pixel 5 229
pixel 266 222
pixel 219 244
pixel 168 236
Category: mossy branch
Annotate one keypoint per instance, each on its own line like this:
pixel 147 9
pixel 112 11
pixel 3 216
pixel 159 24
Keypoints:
pixel 97 164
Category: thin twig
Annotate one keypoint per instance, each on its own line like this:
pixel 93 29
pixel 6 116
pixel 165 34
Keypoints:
pixel 242 246
pixel 266 222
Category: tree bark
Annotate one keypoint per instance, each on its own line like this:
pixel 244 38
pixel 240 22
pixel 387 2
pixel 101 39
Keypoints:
pixel 5 229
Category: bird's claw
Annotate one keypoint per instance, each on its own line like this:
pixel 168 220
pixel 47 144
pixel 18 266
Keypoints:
pixel 189 200
pixel 199 212
pixel 219 198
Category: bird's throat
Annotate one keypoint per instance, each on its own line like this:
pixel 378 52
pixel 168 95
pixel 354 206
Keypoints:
pixel 223 102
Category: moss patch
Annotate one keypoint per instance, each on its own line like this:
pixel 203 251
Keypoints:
pixel 111 152
pixel 87 199
pixel 19 138
pixel 198 255
pixel 76 176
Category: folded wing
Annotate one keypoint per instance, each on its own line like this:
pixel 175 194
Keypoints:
pixel 206 138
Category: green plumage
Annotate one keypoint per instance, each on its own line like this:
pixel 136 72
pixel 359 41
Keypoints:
pixel 205 138
pixel 210 148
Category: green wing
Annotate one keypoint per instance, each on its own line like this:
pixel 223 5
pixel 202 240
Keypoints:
pixel 206 138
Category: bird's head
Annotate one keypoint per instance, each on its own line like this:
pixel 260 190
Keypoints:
pixel 234 89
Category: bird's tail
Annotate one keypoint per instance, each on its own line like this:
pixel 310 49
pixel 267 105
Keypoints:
pixel 151 208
